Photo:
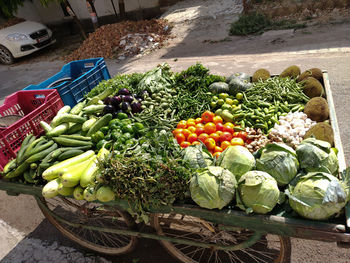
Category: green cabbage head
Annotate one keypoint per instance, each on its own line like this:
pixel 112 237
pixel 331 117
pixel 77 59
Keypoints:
pixel 213 187
pixel 237 159
pixel 197 157
pixel 317 156
pixel 257 192
pixel 317 195
pixel 280 161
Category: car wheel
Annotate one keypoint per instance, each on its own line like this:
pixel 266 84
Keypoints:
pixel 6 56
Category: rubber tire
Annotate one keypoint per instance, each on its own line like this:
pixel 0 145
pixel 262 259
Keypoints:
pixel 284 256
pixel 10 60
pixel 97 248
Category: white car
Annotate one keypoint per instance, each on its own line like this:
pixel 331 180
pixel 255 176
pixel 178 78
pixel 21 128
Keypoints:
pixel 23 39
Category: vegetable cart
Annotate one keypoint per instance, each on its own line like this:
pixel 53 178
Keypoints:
pixel 188 232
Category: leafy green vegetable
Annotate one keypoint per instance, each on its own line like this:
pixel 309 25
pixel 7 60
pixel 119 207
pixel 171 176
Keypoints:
pixel 257 192
pixel 317 195
pixel 237 159
pixel 316 155
pixel 213 187
pixel 280 161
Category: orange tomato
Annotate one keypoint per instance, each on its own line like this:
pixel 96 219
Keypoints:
pixel 216 154
pixel 209 128
pixel 202 137
pixel 225 144
pixel 185 144
pixel 225 136
pixel 192 137
pixel 198 120
pixel 191 123
pixel 235 134
pixel 237 141
pixel 186 132
pixel 219 127
pixel 210 143
pixel 218 149
pixel 208 116
pixel 180 138
pixel 191 119
pixel 228 127
pixel 182 125
pixel 219 132
pixel 192 129
pixel 215 136
pixel 199 130
pixel 217 119
pixel 196 143
pixel 176 131
pixel 200 125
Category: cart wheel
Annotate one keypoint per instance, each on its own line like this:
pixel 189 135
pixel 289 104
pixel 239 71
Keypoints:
pixel 90 214
pixel 269 248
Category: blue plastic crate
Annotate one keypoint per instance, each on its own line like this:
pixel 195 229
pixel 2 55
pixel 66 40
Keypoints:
pixel 76 79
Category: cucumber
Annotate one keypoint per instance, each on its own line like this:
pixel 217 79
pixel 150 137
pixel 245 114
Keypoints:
pixel 32 145
pixel 93 109
pixel 46 127
pixel 41 154
pixel 10 166
pixel 75 128
pixel 25 144
pixel 38 149
pixel 66 117
pixel 78 108
pixel 103 121
pixel 19 170
pixel 71 142
pixel 76 137
pixel 58 130
pixel 88 124
pixel 27 177
pixel 69 154
pixel 63 110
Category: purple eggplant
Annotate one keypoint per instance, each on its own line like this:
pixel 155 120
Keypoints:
pixel 115 101
pixel 126 107
pixel 136 107
pixel 107 101
pixel 124 92
pixel 108 109
pixel 128 98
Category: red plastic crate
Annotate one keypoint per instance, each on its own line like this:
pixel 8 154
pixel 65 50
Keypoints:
pixel 34 106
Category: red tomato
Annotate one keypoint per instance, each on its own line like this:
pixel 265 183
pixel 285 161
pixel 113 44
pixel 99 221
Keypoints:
pixel 243 135
pixel 176 131
pixel 196 143
pixel 202 137
pixel 186 132
pixel 237 141
pixel 217 119
pixel 191 123
pixel 182 124
pixel 216 154
pixel 185 144
pixel 208 116
pixel 228 127
pixel 199 130
pixel 180 138
pixel 219 132
pixel 192 137
pixel 218 149
pixel 209 128
pixel 219 127
pixel 215 136
pixel 210 143
pixel 225 136
pixel 192 129
pixel 198 120
pixel 225 144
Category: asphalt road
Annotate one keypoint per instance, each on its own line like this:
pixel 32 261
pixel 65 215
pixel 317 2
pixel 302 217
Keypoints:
pixel 22 214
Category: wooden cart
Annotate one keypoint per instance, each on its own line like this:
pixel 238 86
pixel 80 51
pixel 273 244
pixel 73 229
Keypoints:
pixel 190 233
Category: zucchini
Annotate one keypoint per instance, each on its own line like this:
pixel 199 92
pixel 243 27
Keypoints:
pixel 93 109
pixel 46 127
pixel 103 121
pixel 78 108
pixel 10 166
pixel 74 128
pixel 88 124
pixel 69 154
pixel 76 137
pixel 71 142
pixel 41 154
pixel 58 130
pixel 63 110
pixel 66 117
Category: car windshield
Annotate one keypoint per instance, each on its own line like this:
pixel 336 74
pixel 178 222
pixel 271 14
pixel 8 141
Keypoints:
pixel 10 22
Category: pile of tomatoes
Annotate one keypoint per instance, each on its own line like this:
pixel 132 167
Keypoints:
pixel 211 130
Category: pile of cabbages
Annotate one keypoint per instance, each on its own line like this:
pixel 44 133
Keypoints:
pixel 305 179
